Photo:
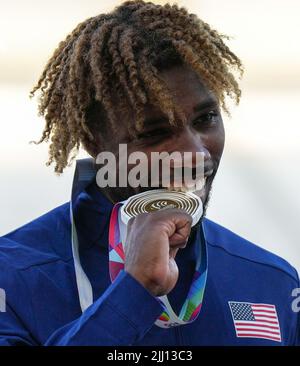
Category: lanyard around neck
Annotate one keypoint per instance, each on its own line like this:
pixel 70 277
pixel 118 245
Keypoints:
pixel 193 302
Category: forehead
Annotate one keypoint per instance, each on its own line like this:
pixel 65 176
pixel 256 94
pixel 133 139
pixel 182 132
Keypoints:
pixel 188 91
pixel 182 80
pixel 187 88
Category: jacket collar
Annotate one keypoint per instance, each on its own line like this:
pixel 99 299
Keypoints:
pixel 91 209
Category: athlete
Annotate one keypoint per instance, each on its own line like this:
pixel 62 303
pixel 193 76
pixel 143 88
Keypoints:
pixel 154 78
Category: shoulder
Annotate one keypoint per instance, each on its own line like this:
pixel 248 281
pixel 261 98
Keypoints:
pixel 221 238
pixel 40 241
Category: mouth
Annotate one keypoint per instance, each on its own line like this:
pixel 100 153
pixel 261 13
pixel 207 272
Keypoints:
pixel 196 185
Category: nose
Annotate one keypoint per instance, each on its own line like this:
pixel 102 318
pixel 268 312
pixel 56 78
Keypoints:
pixel 187 141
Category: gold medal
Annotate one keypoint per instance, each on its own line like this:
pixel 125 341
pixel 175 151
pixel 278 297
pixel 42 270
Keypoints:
pixel 161 199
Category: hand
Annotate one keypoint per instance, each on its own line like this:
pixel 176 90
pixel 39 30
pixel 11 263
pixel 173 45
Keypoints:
pixel 153 240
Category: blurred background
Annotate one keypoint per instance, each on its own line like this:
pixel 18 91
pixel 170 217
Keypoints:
pixel 255 193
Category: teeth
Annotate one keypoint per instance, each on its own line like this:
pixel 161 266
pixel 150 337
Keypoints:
pixel 190 186
pixel 200 183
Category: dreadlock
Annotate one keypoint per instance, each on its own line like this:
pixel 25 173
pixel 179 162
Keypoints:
pixel 120 54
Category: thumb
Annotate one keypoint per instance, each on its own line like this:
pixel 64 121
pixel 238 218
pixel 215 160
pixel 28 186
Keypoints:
pixel 181 234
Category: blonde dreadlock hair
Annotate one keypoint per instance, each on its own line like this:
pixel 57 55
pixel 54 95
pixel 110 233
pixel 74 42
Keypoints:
pixel 120 54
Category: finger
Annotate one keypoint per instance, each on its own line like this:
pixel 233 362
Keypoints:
pixel 178 241
pixel 181 235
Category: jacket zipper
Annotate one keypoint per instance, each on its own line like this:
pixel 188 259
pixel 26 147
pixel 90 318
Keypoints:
pixel 179 338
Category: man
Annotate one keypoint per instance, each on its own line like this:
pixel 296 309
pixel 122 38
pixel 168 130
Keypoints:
pixel 154 78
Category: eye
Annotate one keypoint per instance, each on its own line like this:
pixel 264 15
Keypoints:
pixel 209 119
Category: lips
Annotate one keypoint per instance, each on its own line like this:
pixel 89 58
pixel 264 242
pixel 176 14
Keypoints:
pixel 191 185
pixel 185 182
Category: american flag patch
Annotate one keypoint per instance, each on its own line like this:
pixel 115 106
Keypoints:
pixel 255 320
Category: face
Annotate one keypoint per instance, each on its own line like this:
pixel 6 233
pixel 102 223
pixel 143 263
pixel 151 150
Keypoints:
pixel 202 132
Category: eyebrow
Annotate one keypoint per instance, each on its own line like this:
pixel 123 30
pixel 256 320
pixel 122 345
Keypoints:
pixel 155 121
pixel 207 103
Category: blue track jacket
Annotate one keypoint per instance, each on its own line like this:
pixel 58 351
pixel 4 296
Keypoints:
pixel 40 303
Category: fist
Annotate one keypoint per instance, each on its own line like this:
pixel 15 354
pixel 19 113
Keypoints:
pixel 152 242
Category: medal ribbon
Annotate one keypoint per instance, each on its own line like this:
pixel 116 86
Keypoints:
pixel 192 305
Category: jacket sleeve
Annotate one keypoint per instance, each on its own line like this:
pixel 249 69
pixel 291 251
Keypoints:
pixel 12 331
pixel 298 331
pixel 121 316
pixel 297 341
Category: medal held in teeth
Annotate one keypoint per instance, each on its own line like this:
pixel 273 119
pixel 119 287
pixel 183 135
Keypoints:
pixel 161 199
pixel 151 201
